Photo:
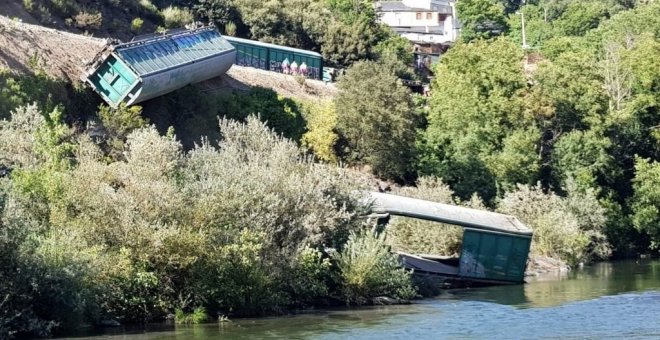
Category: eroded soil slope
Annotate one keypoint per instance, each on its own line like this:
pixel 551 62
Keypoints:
pixel 25 47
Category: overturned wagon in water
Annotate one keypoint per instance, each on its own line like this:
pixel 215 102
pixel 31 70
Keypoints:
pixel 157 64
pixel 495 246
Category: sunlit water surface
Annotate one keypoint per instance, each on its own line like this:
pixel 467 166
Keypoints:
pixel 608 300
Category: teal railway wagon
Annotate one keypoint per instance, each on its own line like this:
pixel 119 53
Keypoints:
pixel 273 57
pixel 495 246
pixel 153 66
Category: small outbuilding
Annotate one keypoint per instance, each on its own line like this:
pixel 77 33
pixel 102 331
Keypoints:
pixel 157 64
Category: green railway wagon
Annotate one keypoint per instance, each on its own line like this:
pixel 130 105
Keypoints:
pixel 277 58
pixel 494 250
pixel 493 256
pixel 157 64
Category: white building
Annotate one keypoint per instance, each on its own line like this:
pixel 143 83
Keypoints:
pixel 421 21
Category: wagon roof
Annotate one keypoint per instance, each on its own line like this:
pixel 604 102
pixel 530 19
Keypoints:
pixel 162 52
pixel 273 46
pixel 445 213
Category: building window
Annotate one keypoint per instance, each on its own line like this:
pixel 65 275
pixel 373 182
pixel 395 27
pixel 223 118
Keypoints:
pixel 419 16
pixel 429 16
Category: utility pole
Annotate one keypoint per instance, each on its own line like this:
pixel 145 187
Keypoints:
pixel 522 19
pixel 524 38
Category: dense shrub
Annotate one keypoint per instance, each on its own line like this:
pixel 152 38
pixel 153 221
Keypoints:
pixel 118 123
pixel 121 120
pixel 284 115
pixel 194 112
pixel 175 17
pixel 369 270
pixel 87 20
pixel 198 315
pixel 148 6
pixel 23 90
pixel 43 275
pixel 569 228
pixel 321 137
pixel 310 277
pixel 136 25
pixel 231 229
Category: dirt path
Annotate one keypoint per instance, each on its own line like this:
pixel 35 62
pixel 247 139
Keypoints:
pixel 243 78
pixel 283 84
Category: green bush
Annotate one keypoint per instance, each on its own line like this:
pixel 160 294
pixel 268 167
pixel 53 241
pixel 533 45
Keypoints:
pixel 646 200
pixel 159 230
pixel 197 316
pixel 243 282
pixel 310 277
pixel 122 120
pixel 369 270
pixel 148 6
pixel 568 228
pixel 321 137
pixel 133 296
pixel 175 17
pixel 136 25
pixel 45 277
pixel 87 20
pixel 118 123
pixel 194 112
pixel 282 114
pixel 230 29
pixel 28 5
pixel 23 90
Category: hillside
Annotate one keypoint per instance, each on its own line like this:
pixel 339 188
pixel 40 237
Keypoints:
pixel 28 47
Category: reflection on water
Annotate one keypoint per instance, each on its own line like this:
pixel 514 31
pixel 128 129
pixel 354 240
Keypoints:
pixel 614 300
pixel 606 278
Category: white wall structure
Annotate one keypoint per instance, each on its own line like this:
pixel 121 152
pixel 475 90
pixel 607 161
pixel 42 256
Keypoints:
pixel 429 21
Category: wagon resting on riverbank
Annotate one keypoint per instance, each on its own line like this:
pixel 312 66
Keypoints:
pixel 495 246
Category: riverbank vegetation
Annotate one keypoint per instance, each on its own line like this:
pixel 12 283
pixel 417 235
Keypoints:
pixel 139 214
pixel 245 228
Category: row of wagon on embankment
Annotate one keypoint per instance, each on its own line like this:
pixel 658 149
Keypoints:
pixel 156 64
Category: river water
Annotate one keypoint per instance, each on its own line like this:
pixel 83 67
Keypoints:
pixel 611 300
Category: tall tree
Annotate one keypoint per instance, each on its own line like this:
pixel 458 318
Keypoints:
pixel 646 201
pixel 376 119
pixel 481 19
pixel 479 137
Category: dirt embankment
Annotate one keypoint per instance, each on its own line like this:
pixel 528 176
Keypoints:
pixel 26 47
pixel 243 78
